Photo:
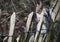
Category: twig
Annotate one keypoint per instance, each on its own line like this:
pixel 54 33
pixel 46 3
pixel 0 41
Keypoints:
pixel 13 6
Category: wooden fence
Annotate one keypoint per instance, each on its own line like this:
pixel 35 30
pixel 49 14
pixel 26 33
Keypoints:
pixel 34 37
pixel 12 25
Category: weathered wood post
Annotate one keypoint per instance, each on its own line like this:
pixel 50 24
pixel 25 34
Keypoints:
pixel 0 18
pixel 53 17
pixel 28 24
pixel 39 27
pixel 12 24
pixel 0 12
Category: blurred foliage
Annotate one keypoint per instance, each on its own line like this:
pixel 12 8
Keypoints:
pixel 10 4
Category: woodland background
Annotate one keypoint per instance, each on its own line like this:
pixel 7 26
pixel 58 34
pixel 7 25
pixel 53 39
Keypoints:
pixel 22 9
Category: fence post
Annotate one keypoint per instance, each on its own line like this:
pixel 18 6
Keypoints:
pixel 12 24
pixel 0 12
pixel 28 24
pixel 39 26
pixel 53 17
